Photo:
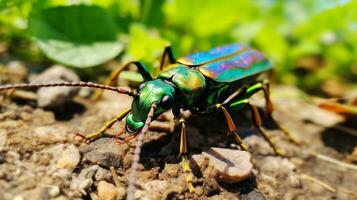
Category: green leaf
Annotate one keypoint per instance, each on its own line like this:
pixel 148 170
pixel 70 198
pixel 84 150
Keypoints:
pixel 78 35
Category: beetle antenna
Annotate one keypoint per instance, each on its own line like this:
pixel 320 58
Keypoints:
pixel 69 84
pixel 136 158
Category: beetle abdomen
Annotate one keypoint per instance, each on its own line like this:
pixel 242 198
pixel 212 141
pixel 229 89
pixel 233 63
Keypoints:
pixel 212 55
pixel 245 64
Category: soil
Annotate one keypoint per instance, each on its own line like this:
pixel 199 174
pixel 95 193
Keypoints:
pixel 34 141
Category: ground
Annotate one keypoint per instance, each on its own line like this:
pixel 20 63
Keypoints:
pixel 39 159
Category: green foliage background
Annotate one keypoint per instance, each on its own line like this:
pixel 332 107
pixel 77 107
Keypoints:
pixel 310 42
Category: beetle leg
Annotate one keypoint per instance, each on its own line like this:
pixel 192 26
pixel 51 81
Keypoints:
pixel 183 150
pixel 257 123
pixel 108 124
pixel 183 142
pixel 167 53
pixel 261 86
pixel 115 73
pixel 265 86
pixel 231 127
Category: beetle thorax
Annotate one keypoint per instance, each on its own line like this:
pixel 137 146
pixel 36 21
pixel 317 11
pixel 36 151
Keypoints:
pixel 189 82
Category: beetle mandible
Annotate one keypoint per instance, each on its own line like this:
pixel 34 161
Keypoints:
pixel 221 79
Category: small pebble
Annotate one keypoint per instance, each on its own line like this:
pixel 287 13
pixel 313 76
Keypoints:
pixel 227 165
pixel 63 174
pixel 3 139
pixel 211 186
pixel 85 183
pixel 81 184
pixel 107 191
pixel 18 197
pixel 49 135
pixel 105 152
pixel 170 170
pixel 276 165
pixel 54 191
pixel 61 198
pixel 2 158
pixel 69 158
pixel 294 181
pixel 54 97
pixel 89 172
pixel 223 195
pixel 252 195
pixel 103 175
pixel 157 189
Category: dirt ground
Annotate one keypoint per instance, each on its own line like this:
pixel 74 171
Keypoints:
pixel 40 160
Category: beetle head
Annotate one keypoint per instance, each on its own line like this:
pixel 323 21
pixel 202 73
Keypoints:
pixel 152 92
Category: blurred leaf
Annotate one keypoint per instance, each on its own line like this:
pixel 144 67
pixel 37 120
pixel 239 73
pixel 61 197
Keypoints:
pixel 273 43
pixel 79 36
pixel 305 48
pixel 290 33
pixel 123 11
pixel 207 17
pixel 247 32
pixel 145 45
pixel 151 12
pixel 331 19
pixel 129 7
pixel 131 76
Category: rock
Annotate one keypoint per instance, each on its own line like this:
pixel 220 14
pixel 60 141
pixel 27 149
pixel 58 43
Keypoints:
pixel 170 171
pixel 252 195
pixel 103 175
pixel 259 145
pixel 50 135
pixel 107 191
pixel 61 198
pixel 294 181
pixel 54 97
pixel 227 165
pixel 211 186
pixel 18 68
pixel 63 174
pixel 275 165
pixel 3 139
pixel 41 158
pixel 69 158
pixel 157 189
pixel 85 92
pixel 81 184
pixel 2 158
pixel 223 195
pixel 53 191
pixel 105 152
pixel 89 172
pixel 18 197
pixel 84 180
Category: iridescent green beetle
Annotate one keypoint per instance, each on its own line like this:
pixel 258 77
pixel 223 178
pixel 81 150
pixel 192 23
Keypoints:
pixel 221 79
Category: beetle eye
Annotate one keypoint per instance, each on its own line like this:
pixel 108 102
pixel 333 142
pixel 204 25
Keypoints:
pixel 141 86
pixel 166 102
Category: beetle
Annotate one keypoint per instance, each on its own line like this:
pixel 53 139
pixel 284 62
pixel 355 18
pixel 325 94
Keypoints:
pixel 221 79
